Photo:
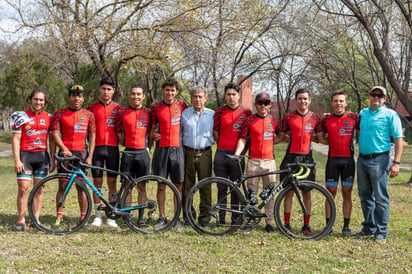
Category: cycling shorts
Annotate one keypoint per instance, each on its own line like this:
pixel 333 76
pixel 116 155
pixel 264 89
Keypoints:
pixel 36 164
pixel 169 161
pixel 343 167
pixel 108 155
pixel 136 163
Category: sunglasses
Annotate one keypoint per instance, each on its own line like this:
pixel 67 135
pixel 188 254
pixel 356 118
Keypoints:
pixel 266 103
pixel 77 88
pixel 379 95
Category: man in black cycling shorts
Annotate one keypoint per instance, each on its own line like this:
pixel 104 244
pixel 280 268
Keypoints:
pixel 107 149
pixel 30 134
pixel 133 127
pixel 339 127
pixel 301 125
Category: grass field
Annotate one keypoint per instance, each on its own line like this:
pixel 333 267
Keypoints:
pixel 120 250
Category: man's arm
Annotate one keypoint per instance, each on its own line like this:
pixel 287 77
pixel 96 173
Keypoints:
pixel 52 149
pixel 58 141
pixel 92 145
pixel 216 135
pixel 120 138
pixel 18 165
pixel 240 146
pixel 394 168
pixel 320 138
pixel 279 137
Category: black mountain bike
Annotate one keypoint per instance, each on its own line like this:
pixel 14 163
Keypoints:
pixel 136 201
pixel 238 207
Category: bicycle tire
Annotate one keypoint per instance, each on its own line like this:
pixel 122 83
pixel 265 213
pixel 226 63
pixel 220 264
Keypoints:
pixel 48 188
pixel 144 220
pixel 209 217
pixel 320 198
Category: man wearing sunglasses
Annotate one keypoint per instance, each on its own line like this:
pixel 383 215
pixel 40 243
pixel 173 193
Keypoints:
pixel 378 125
pixel 261 129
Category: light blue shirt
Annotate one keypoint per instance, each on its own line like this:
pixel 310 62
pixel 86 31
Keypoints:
pixel 197 130
pixel 376 128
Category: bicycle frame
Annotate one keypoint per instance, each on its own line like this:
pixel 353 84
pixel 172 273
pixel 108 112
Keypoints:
pixel 79 174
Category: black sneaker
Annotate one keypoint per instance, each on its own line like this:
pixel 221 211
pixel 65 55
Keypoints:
pixel 269 228
pixel 307 231
pixel 19 227
pixel 161 222
pixel 363 234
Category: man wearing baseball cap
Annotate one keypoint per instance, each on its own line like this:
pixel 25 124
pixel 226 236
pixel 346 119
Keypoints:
pixel 378 125
pixel 261 128
pixel 71 127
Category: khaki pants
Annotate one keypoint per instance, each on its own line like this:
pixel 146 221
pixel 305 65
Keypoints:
pixel 257 166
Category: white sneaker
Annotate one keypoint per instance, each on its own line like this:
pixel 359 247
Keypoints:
pixel 97 221
pixel 111 223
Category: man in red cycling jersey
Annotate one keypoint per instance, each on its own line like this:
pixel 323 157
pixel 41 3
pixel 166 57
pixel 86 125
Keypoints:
pixel 168 157
pixel 133 127
pixel 106 152
pixel 71 127
pixel 228 121
pixel 31 160
pixel 301 125
pixel 261 129
pixel 339 127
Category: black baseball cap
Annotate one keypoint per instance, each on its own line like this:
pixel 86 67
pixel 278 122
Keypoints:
pixel 263 96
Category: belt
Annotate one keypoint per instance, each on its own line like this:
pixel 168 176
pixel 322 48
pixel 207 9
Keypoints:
pixel 374 155
pixel 197 150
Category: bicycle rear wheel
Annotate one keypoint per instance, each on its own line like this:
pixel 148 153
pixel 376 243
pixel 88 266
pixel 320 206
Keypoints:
pixel 43 199
pixel 140 199
pixel 214 206
pixel 320 199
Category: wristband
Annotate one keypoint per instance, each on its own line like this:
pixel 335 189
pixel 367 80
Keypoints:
pixel 396 162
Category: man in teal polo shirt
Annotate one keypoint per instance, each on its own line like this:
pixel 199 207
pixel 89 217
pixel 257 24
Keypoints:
pixel 378 125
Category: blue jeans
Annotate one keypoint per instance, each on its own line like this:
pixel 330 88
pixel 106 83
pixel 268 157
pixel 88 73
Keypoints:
pixel 373 193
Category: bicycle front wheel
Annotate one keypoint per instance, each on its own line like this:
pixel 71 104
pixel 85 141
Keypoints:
pixel 51 196
pixel 214 206
pixel 154 204
pixel 316 199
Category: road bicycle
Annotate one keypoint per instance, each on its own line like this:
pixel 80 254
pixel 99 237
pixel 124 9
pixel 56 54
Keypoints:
pixel 238 206
pixel 136 201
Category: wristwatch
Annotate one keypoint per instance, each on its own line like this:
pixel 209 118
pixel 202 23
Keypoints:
pixel 396 162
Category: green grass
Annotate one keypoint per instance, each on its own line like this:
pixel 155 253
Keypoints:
pixel 112 250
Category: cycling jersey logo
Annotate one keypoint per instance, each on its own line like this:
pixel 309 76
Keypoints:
pixel 36 132
pixel 42 122
pixel 270 125
pixel 176 111
pixel 27 127
pixel 109 121
pixel 81 118
pixel 346 122
pixel 241 117
pixel 143 117
pixel 175 121
pixel 310 121
pixel 113 111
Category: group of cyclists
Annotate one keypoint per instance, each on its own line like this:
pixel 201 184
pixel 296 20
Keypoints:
pixel 180 133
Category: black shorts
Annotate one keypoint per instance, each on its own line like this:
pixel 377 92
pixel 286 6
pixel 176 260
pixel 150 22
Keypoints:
pixel 298 158
pixel 108 155
pixel 79 153
pixel 169 160
pixel 137 164
pixel 343 167
pixel 226 167
pixel 36 164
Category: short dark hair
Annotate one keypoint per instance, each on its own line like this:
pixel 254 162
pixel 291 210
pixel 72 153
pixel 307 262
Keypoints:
pixel 171 83
pixel 33 92
pixel 302 90
pixel 339 92
pixel 137 86
pixel 108 81
pixel 232 86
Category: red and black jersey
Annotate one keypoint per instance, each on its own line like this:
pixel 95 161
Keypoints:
pixel 301 128
pixel 135 124
pixel 261 131
pixel 168 117
pixel 34 133
pixel 105 115
pixel 229 123
pixel 340 133
pixel 74 125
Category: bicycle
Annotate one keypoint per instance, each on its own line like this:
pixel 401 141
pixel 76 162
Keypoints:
pixel 234 208
pixel 135 202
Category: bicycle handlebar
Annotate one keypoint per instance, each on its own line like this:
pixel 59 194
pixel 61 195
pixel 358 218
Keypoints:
pixel 77 161
pixel 302 173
